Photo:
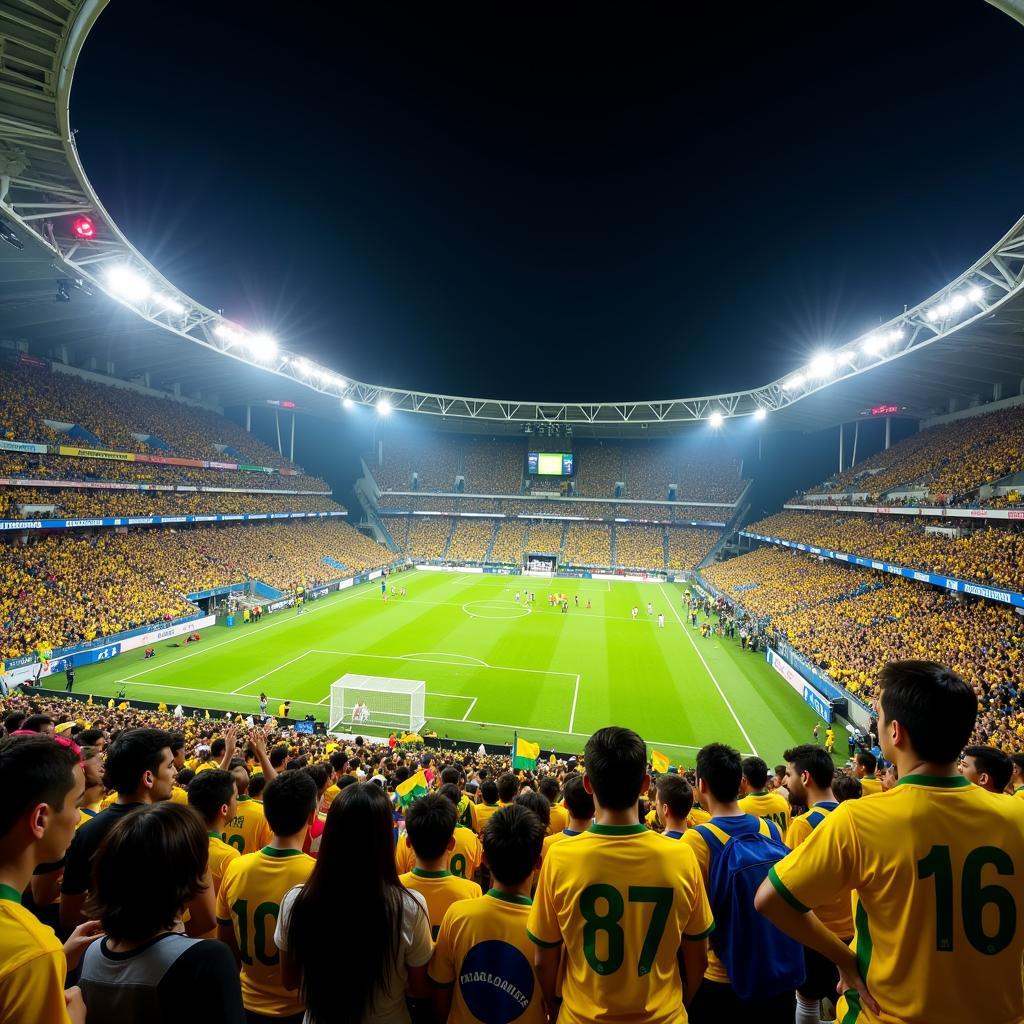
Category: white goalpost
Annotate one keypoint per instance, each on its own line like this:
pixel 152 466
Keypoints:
pixel 367 703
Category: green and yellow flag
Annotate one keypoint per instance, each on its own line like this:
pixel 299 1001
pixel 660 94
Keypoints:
pixel 659 762
pixel 524 753
pixel 414 787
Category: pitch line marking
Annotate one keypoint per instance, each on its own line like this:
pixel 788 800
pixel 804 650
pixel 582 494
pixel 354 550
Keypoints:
pixel 575 695
pixel 250 632
pixel 444 654
pixel 270 673
pixel 398 657
pixel 469 709
pixel 707 668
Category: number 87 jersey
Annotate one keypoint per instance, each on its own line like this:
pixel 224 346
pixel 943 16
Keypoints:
pixel 622 900
pixel 937 865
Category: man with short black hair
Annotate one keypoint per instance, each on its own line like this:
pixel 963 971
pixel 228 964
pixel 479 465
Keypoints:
pixel 619 871
pixel 580 806
pixel 757 800
pixel 719 774
pixel 987 767
pixel 925 948
pixel 809 776
pixel 42 724
pixel 214 797
pixel 139 767
pixel 508 787
pixel 488 804
pixel 1017 777
pixel 865 764
pixel 249 901
pixel 482 965
pixel 559 817
pixel 673 801
pixel 42 782
pixel 430 824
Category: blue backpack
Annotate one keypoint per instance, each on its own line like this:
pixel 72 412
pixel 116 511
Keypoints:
pixel 762 962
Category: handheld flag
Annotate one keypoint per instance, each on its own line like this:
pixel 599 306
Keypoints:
pixel 414 787
pixel 524 753
pixel 659 762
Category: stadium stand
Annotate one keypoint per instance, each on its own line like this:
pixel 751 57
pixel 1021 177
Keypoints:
pixel 598 469
pixel 428 536
pixel 688 547
pixel 640 547
pixel 471 539
pixel 493 467
pixel 588 544
pixel 542 536
pixel 509 542
pixel 949 460
pixel 991 554
pixel 65 589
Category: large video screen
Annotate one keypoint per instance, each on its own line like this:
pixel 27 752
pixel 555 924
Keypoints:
pixel 550 463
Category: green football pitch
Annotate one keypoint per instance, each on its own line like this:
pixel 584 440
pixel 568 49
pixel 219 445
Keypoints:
pixel 491 666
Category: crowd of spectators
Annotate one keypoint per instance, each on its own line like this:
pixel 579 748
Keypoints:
pixel 639 547
pixel 949 460
pixel 65 589
pixel 588 544
pixel 33 466
pixel 991 554
pixel 428 536
pixel 543 536
pixel 598 469
pixel 493 467
pixel 30 396
pixel 509 542
pixel 471 539
pixel 689 546
pixel 25 502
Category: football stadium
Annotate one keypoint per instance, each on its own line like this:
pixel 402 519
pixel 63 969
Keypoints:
pixel 753 657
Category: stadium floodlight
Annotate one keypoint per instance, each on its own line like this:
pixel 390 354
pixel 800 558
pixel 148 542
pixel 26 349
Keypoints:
pixel 957 302
pixel 302 365
pixel 716 419
pixel 896 334
pixel 794 382
pixel 383 407
pixel 347 402
pixel 975 294
pixel 822 365
pixel 228 332
pixel 262 346
pixel 873 345
pixel 169 303
pixel 943 310
pixel 126 283
pixel 760 413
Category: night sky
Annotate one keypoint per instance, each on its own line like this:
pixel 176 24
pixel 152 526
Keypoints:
pixel 557 201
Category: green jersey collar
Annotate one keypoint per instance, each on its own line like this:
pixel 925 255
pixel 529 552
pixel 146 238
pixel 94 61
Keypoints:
pixel 936 781
pixel 617 830
pixel 420 873
pixel 9 893
pixel 272 851
pixel 509 897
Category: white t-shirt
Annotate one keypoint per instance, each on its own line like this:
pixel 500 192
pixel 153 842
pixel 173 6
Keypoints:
pixel 414 950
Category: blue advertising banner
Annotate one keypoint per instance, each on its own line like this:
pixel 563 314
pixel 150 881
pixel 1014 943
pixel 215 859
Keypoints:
pixel 946 582
pixel 71 524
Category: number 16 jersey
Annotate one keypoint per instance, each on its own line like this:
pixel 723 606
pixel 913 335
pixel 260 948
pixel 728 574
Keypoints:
pixel 622 900
pixel 938 868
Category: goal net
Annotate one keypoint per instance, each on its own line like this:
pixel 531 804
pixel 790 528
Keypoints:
pixel 368 703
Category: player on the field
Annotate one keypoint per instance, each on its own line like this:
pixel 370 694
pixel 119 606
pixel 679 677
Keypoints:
pixel 249 900
pixel 830 739
pixel 938 933
pixel 661 620
pixel 809 774
pixel 757 800
pixel 618 910
pixel 430 826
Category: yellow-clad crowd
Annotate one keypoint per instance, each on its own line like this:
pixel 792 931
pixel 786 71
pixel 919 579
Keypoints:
pixel 639 547
pixel 588 544
pixel 471 539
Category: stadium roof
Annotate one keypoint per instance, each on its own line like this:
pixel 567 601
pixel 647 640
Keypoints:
pixel 965 344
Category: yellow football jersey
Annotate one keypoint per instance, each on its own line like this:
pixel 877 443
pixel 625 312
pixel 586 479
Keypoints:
pixel 440 889
pixel 697 816
pixel 1019 792
pixel 248 830
pixel 559 819
pixel 462 861
pixel 179 795
pixel 249 901
pixel 550 841
pixel 936 912
pixel 484 953
pixel 621 899
pixel 870 785
pixel 483 815
pixel 770 806
pixel 837 915
pixel 32 966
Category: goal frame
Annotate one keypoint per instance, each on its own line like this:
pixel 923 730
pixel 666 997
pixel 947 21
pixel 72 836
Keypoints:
pixel 388 712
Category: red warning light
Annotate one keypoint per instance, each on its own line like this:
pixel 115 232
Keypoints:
pixel 83 227
pixel 287 404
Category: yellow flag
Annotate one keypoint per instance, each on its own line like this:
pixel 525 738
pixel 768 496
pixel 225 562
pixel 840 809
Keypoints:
pixel 659 762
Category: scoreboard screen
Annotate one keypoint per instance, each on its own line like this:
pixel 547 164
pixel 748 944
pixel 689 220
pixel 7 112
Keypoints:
pixel 550 463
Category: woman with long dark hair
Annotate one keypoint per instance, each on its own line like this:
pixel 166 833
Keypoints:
pixel 355 879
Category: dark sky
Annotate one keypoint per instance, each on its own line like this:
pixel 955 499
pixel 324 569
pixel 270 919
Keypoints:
pixel 560 200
